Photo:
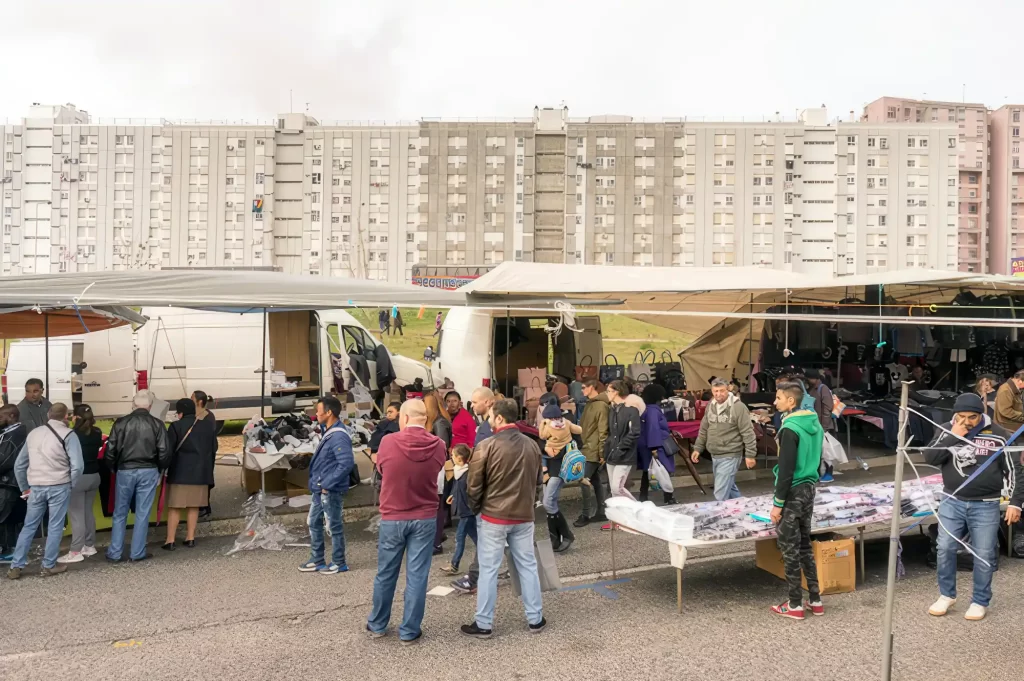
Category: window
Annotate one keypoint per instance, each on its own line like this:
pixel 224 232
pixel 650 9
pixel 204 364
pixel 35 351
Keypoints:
pixel 881 220
pixel 316 178
pixel 1016 132
pixel 757 181
pixel 883 142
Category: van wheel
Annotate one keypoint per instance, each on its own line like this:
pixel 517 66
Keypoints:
pixel 220 427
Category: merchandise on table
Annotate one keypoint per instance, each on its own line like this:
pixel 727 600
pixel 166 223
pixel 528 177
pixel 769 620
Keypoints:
pixel 746 518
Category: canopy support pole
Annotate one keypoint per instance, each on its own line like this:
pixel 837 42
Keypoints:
pixel 508 348
pixel 894 539
pixel 46 351
pixel 750 352
pixel 263 371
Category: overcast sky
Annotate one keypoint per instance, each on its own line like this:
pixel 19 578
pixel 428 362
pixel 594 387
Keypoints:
pixel 237 59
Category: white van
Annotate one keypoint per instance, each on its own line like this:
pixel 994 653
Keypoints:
pixel 27 360
pixel 472 348
pixel 180 350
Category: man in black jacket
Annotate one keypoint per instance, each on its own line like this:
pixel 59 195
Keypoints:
pixel 972 508
pixel 12 506
pixel 137 453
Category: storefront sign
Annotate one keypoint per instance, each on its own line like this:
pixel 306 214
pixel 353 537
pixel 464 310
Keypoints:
pixel 448 283
pixel 1017 267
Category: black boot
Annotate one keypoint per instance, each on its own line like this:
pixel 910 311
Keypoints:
pixel 554 532
pixel 645 485
pixel 566 534
pixel 670 498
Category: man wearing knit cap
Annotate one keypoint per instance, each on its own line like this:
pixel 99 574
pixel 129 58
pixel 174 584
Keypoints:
pixel 972 509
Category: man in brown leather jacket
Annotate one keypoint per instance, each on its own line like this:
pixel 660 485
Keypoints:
pixel 501 487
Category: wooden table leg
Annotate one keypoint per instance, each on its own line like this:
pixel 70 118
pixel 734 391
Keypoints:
pixel 863 570
pixel 679 590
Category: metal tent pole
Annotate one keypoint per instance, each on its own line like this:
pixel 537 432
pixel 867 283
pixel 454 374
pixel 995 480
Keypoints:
pixel 263 371
pixel 894 538
pixel 46 351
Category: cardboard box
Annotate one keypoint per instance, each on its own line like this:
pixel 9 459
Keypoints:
pixel 835 560
pixel 275 480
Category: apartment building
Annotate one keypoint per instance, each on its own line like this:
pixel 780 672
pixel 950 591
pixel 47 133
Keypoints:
pixel 974 252
pixel 375 201
pixel 1006 209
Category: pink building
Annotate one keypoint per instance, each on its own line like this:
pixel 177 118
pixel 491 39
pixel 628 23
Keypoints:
pixel 972 149
pixel 1006 212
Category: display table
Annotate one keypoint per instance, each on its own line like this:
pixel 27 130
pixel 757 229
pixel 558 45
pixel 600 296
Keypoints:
pixel 685 429
pixel 837 509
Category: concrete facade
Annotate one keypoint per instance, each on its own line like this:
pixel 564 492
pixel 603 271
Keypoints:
pixel 973 212
pixel 375 201
pixel 1006 214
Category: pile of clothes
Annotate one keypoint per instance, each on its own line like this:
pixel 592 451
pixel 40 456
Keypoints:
pixel 834 506
pixel 296 434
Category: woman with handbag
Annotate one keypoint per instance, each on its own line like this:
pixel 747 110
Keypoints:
pixel 83 494
pixel 193 445
pixel 653 457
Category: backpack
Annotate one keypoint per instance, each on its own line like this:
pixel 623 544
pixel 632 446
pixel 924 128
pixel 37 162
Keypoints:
pixel 574 464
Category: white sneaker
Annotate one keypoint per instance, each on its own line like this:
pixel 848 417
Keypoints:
pixel 941 606
pixel 71 557
pixel 975 613
pixel 88 551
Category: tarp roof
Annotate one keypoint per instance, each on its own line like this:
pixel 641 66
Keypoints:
pixel 722 345
pixel 27 322
pixel 215 289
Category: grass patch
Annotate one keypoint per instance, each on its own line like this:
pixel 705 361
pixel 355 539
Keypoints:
pixel 623 336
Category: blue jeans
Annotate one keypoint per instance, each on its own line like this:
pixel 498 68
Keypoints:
pixel 552 488
pixel 395 538
pixel 981 520
pixel 467 527
pixel 332 504
pixel 52 498
pixel 489 548
pixel 724 469
pixel 140 483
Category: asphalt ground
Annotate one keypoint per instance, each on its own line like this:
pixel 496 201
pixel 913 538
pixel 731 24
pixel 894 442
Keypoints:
pixel 198 614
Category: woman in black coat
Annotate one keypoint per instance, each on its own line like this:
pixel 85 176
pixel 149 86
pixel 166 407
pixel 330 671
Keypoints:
pixel 193 445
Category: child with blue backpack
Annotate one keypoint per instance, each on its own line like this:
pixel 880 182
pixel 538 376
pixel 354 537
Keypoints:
pixel 459 501
pixel 564 463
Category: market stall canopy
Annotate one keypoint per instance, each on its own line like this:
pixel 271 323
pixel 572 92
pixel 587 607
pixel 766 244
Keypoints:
pixel 726 308
pixel 29 322
pixel 637 289
pixel 225 290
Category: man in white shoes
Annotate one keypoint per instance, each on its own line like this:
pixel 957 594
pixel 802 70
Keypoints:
pixel 974 509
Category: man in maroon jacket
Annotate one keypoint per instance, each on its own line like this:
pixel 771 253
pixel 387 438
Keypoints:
pixel 409 462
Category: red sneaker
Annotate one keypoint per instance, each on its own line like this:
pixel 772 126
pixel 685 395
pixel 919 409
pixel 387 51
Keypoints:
pixel 817 608
pixel 786 611
pixel 606 526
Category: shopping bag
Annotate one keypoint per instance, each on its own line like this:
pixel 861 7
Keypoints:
pixel 611 372
pixel 547 569
pixel 641 368
pixel 659 474
pixel 587 369
pixel 832 451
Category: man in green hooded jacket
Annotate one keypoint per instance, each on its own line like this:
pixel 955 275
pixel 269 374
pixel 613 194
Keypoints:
pixel 800 440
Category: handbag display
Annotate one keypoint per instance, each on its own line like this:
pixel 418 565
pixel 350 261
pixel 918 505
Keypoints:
pixel 611 372
pixel 532 382
pixel 585 372
pixel 669 374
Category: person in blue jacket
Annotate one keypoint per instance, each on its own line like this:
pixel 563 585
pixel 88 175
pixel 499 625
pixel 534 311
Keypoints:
pixel 329 471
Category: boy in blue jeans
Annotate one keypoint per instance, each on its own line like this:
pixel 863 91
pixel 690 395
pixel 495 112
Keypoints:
pixel 461 454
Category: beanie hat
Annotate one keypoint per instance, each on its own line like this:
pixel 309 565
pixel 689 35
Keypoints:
pixel 551 411
pixel 968 402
